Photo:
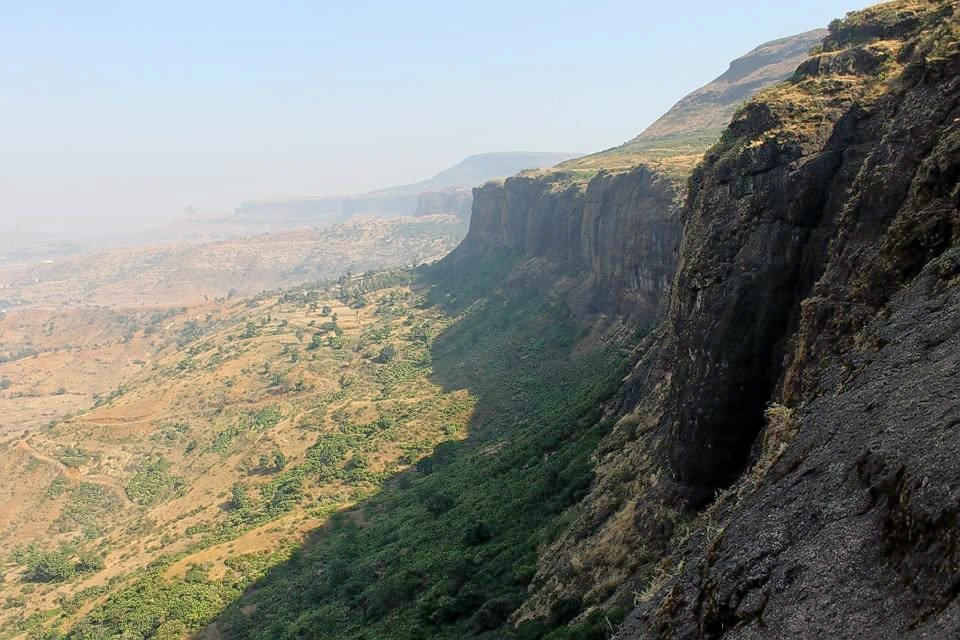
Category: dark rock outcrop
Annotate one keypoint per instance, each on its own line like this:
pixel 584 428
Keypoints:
pixel 819 270
pixel 617 234
pixel 816 271
pixel 453 201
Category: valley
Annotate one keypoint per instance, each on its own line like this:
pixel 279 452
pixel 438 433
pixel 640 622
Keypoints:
pixel 184 273
pixel 699 386
pixel 287 408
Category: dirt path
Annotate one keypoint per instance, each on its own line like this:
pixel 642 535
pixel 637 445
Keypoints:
pixel 76 476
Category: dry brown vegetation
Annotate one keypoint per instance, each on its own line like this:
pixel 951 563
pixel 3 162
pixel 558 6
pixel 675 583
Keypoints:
pixel 175 407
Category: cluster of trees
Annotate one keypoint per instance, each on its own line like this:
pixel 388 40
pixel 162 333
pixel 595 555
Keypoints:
pixel 153 482
pixel 56 565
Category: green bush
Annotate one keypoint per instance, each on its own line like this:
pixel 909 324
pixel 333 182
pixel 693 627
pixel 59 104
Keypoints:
pixel 153 482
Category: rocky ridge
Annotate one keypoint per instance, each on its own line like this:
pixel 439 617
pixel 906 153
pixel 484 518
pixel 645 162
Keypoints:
pixel 780 465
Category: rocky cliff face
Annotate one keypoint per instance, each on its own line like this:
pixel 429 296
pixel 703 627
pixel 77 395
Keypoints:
pixel 782 464
pixel 454 201
pixel 612 220
pixel 616 233
pixel 783 472
pixel 819 270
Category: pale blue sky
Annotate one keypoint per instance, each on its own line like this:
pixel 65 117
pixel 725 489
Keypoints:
pixel 123 113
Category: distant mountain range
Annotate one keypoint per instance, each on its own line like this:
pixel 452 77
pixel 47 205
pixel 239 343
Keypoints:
pixel 446 192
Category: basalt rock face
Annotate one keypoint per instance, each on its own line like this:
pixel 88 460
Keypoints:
pixel 805 231
pixel 453 201
pixel 781 462
pixel 617 234
pixel 819 270
pixel 611 219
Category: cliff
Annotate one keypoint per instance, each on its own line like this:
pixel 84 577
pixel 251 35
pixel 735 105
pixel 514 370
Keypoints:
pixel 819 271
pixel 616 234
pixel 780 466
pixel 455 200
pixel 611 220
pixel 783 469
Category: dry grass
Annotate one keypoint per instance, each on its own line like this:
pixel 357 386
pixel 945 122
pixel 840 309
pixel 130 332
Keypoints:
pixel 225 380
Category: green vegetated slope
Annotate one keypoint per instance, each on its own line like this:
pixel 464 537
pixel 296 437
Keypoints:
pixel 257 420
pixel 453 518
pixel 448 548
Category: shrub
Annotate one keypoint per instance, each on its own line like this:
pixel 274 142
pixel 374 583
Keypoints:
pixel 90 562
pixel 477 533
pixel 387 354
pixel 438 503
pixel 49 566
pixel 153 482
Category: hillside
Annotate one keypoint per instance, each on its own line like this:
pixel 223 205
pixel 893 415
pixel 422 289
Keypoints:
pixel 677 140
pixel 244 425
pixel 709 393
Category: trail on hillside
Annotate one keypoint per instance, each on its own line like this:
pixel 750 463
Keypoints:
pixel 75 475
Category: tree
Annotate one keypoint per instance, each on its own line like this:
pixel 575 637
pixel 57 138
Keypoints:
pixel 50 566
pixel 387 354
pixel 316 341
pixel 239 499
pixel 89 562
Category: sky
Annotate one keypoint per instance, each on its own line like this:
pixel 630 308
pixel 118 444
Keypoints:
pixel 119 115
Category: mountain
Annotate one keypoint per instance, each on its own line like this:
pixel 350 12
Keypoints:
pixel 771 468
pixel 774 463
pixel 400 200
pixel 655 396
pixel 676 141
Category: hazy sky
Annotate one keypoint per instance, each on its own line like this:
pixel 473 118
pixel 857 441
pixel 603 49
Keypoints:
pixel 121 114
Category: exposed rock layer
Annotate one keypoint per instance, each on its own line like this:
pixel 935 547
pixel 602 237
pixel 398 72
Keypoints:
pixel 816 267
pixel 618 234
pixel 454 200
pixel 819 269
